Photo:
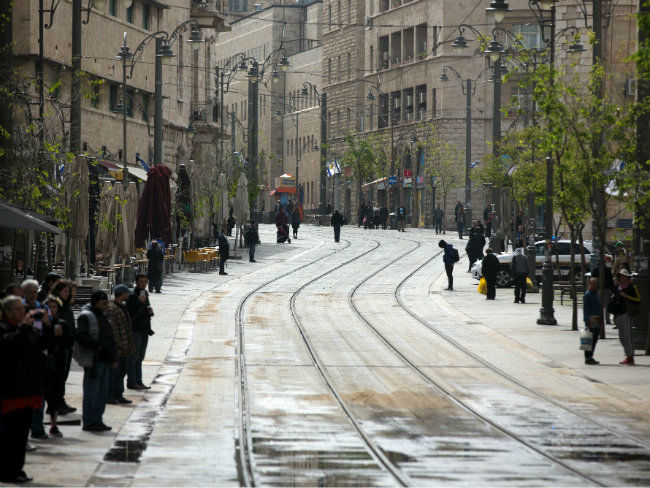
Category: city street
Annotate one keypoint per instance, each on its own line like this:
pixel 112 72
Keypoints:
pixel 348 364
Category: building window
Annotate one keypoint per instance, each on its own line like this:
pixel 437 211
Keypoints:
pixel 434 103
pixel 146 15
pixel 113 97
pixel 329 70
pixel 349 118
pixel 112 7
pixel 179 67
pixel 329 16
pixel 238 6
pixel 145 107
pixel 372 58
pixel 130 96
pixel 349 66
pixel 129 13
pixel 349 11
pixel 339 19
pixel 338 68
pixel 94 93
pixel 530 36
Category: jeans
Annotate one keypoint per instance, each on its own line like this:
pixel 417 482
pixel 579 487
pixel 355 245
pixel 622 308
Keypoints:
pixel 437 224
pixel 595 332
pixel 625 333
pixel 13 438
pixel 337 233
pixel 222 264
pixel 36 424
pixel 449 269
pixel 400 225
pixel 520 286
pixel 460 231
pixel 251 251
pixel 134 363
pixel 95 390
pixel 491 288
pixel 116 379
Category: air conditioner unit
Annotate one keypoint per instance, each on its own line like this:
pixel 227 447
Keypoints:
pixel 422 97
pixel 409 100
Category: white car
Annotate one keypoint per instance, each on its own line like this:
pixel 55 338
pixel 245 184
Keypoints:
pixel 561 247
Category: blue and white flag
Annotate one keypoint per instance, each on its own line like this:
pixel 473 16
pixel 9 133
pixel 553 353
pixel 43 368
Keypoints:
pixel 333 168
pixel 144 164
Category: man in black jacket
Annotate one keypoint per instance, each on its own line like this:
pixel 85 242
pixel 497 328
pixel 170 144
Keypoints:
pixel 224 251
pixel 95 351
pixel 252 237
pixel 490 268
pixel 156 266
pixel 337 221
pixel 519 269
pixel 140 312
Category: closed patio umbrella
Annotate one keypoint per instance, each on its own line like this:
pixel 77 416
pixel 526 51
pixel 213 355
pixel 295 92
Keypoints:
pixel 77 188
pixel 131 220
pixel 121 236
pixel 242 210
pixel 106 225
pixel 154 208
pixel 221 202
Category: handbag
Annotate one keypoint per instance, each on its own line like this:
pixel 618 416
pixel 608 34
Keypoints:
pixel 529 284
pixel 482 287
pixel 616 306
pixel 586 340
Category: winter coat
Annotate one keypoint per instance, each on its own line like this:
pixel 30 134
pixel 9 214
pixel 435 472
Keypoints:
pixel 519 264
pixel 21 365
pixel 118 316
pixel 95 339
pixel 460 219
pixel 401 213
pixel 224 246
pixel 336 220
pixel 490 267
pixel 295 219
pixel 437 214
pixel 139 312
pixel 448 256
pixel 591 306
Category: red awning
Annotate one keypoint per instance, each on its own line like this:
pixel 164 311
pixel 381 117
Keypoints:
pixel 288 189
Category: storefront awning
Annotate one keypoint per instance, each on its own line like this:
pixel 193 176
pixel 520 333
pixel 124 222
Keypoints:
pixel 138 172
pixel 366 186
pixel 13 217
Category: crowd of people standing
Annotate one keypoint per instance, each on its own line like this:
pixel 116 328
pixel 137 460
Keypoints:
pixel 39 338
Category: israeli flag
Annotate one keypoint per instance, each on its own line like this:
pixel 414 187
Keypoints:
pixel 333 168
pixel 145 166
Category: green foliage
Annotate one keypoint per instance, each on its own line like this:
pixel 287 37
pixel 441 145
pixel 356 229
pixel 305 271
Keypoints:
pixel 359 155
pixel 443 160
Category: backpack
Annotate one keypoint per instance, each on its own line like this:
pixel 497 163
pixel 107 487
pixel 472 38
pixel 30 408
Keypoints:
pixel 456 255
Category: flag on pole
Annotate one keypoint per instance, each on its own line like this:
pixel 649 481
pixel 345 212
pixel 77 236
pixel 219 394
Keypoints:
pixel 333 168
pixel 145 166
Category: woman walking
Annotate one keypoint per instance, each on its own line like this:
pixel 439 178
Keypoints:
pixel 295 222
pixel 592 314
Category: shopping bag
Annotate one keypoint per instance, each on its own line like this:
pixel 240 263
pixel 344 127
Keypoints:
pixel 586 339
pixel 529 284
pixel 482 287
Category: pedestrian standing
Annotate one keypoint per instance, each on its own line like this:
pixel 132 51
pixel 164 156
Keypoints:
pixel 592 315
pixel 401 218
pixel 156 266
pixel 63 290
pixel 520 270
pixel 337 221
pixel 610 288
pixel 22 385
pixel 140 312
pixel 383 217
pixel 224 251
pixel 295 222
pixel 95 352
pixel 252 236
pixel 49 282
pixel 457 208
pixel 55 363
pixel 437 219
pixel 117 315
pixel 489 269
pixel 450 257
pixel 460 222
pixel 630 308
pixel 475 244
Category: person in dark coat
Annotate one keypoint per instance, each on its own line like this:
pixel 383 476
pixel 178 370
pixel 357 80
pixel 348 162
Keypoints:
pixel 95 351
pixel 224 251
pixel 460 222
pixel 520 269
pixel 63 290
pixel 49 282
pixel 295 222
pixel 140 312
pixel 117 315
pixel 475 244
pixel 401 218
pixel 449 258
pixel 383 217
pixel 592 315
pixel 437 219
pixel 55 363
pixel 156 266
pixel 231 220
pixel 337 221
pixel 489 269
pixel 610 288
pixel 21 385
pixel 253 238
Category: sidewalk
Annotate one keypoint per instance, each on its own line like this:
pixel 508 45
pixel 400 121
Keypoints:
pixel 550 351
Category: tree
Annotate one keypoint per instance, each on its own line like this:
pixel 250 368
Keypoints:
pixel 360 157
pixel 442 162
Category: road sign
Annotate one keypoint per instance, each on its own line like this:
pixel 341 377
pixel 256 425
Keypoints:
pixel 392 180
pixel 408 173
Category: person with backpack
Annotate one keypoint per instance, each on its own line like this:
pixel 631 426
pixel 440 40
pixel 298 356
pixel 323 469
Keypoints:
pixel 450 257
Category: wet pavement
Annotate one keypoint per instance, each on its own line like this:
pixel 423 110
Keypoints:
pixel 346 364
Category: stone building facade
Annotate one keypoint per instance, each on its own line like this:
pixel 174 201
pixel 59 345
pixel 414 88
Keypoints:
pixel 187 82
pixel 265 35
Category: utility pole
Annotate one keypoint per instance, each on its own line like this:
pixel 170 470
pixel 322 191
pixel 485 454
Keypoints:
pixel 158 107
pixel 251 169
pixel 323 154
pixel 297 157
pixel 232 132
pixel 496 139
pixel 221 108
pixel 468 149
pixel 75 86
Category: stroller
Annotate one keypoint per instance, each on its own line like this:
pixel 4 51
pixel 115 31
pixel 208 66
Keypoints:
pixel 283 234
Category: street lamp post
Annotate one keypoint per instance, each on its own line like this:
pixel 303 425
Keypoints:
pixel 391 121
pixel 322 101
pixel 125 54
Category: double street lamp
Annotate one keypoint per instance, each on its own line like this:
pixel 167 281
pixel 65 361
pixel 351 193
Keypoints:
pixel 164 54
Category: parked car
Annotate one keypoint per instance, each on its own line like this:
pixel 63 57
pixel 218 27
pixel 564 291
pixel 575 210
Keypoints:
pixel 561 247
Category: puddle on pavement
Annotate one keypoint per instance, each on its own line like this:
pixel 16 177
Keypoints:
pixel 126 451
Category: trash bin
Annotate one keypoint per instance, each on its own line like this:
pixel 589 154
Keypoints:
pixel 392 220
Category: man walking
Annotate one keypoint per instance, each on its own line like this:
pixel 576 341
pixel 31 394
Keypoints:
pixel 460 222
pixel 156 266
pixel 450 257
pixel 457 208
pixel 118 316
pixel 224 251
pixel 140 312
pixel 401 218
pixel 490 268
pixel 519 269
pixel 95 351
pixel 337 221
pixel 253 238
pixel 437 219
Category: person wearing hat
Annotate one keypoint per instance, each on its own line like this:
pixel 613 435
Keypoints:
pixel 95 352
pixel 490 268
pixel 631 301
pixel 118 316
